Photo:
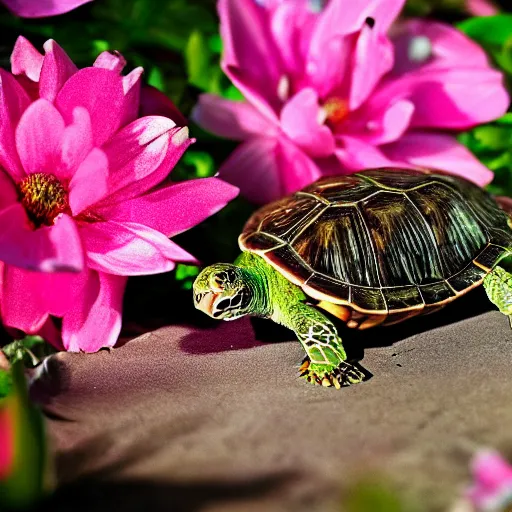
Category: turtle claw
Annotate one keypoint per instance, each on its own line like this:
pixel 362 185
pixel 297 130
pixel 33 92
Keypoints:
pixel 344 374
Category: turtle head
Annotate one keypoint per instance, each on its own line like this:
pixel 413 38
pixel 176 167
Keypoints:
pixel 222 292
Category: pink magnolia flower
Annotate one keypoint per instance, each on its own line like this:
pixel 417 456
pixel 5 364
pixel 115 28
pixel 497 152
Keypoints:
pixel 82 203
pixel 492 487
pixel 334 90
pixel 42 8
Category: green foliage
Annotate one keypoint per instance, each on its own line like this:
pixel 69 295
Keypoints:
pixel 492 142
pixel 5 383
pixel 494 33
pixel 24 484
pixel 376 495
pixel 186 274
pixel 28 350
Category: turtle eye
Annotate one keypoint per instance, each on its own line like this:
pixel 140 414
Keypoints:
pixel 217 284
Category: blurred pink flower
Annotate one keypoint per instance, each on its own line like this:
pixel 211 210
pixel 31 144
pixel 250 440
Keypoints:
pixel 6 441
pixel 42 8
pixel 481 7
pixel 492 487
pixel 333 90
pixel 82 204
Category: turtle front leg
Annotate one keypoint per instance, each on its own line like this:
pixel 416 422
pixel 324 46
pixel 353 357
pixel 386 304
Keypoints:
pixel 498 285
pixel 325 363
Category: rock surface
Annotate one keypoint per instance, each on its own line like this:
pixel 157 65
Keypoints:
pixel 185 418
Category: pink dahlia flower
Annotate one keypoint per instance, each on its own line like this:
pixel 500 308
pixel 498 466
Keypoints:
pixel 334 90
pixel 492 487
pixel 82 198
pixel 42 8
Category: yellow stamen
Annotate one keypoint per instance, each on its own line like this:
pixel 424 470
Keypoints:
pixel 44 197
pixel 336 110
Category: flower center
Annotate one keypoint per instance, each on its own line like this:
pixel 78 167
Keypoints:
pixel 44 197
pixel 336 110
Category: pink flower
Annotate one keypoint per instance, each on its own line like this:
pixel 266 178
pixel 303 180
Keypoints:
pixel 333 90
pixel 481 7
pixel 6 440
pixel 492 487
pixel 82 203
pixel 42 8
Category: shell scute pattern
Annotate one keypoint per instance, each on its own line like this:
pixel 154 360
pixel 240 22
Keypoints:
pixel 383 240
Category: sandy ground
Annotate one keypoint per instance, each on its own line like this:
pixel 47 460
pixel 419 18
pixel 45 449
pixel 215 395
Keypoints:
pixel 216 418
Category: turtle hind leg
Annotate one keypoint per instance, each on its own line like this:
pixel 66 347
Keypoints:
pixel 326 362
pixel 498 286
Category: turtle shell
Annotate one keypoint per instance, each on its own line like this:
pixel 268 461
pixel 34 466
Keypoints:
pixel 382 241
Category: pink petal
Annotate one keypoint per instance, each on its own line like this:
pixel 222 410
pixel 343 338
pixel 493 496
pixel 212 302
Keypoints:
pixel 356 155
pixel 127 248
pixel 76 144
pixel 329 65
pixel 44 293
pixel 39 137
pixel 110 60
pixel 329 60
pixel 131 88
pixel 250 59
pixel 42 8
pixel 100 91
pixel 292 24
pixel 95 322
pixel 252 167
pixel 26 60
pixel 429 45
pixel 452 98
pixel 51 334
pixel 481 8
pixel 175 208
pixel 373 58
pixel 142 155
pixel 57 69
pixel 231 119
pixel 296 168
pixel 438 151
pixel 266 169
pixel 379 123
pixel 451 85
pixel 492 488
pixel 156 103
pixel 299 120
pixel 13 102
pixel 491 469
pixel 20 308
pixel 8 191
pixel 54 248
pixel 90 182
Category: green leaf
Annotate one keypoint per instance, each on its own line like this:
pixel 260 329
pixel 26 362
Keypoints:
pixel 505 120
pixel 375 496
pixel 489 30
pixel 5 383
pixel 197 58
pixel 203 163
pixel 156 79
pixel 232 93
pixel 186 275
pixel 24 483
pixel 493 138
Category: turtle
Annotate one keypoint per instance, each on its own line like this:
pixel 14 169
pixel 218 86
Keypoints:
pixel 371 248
